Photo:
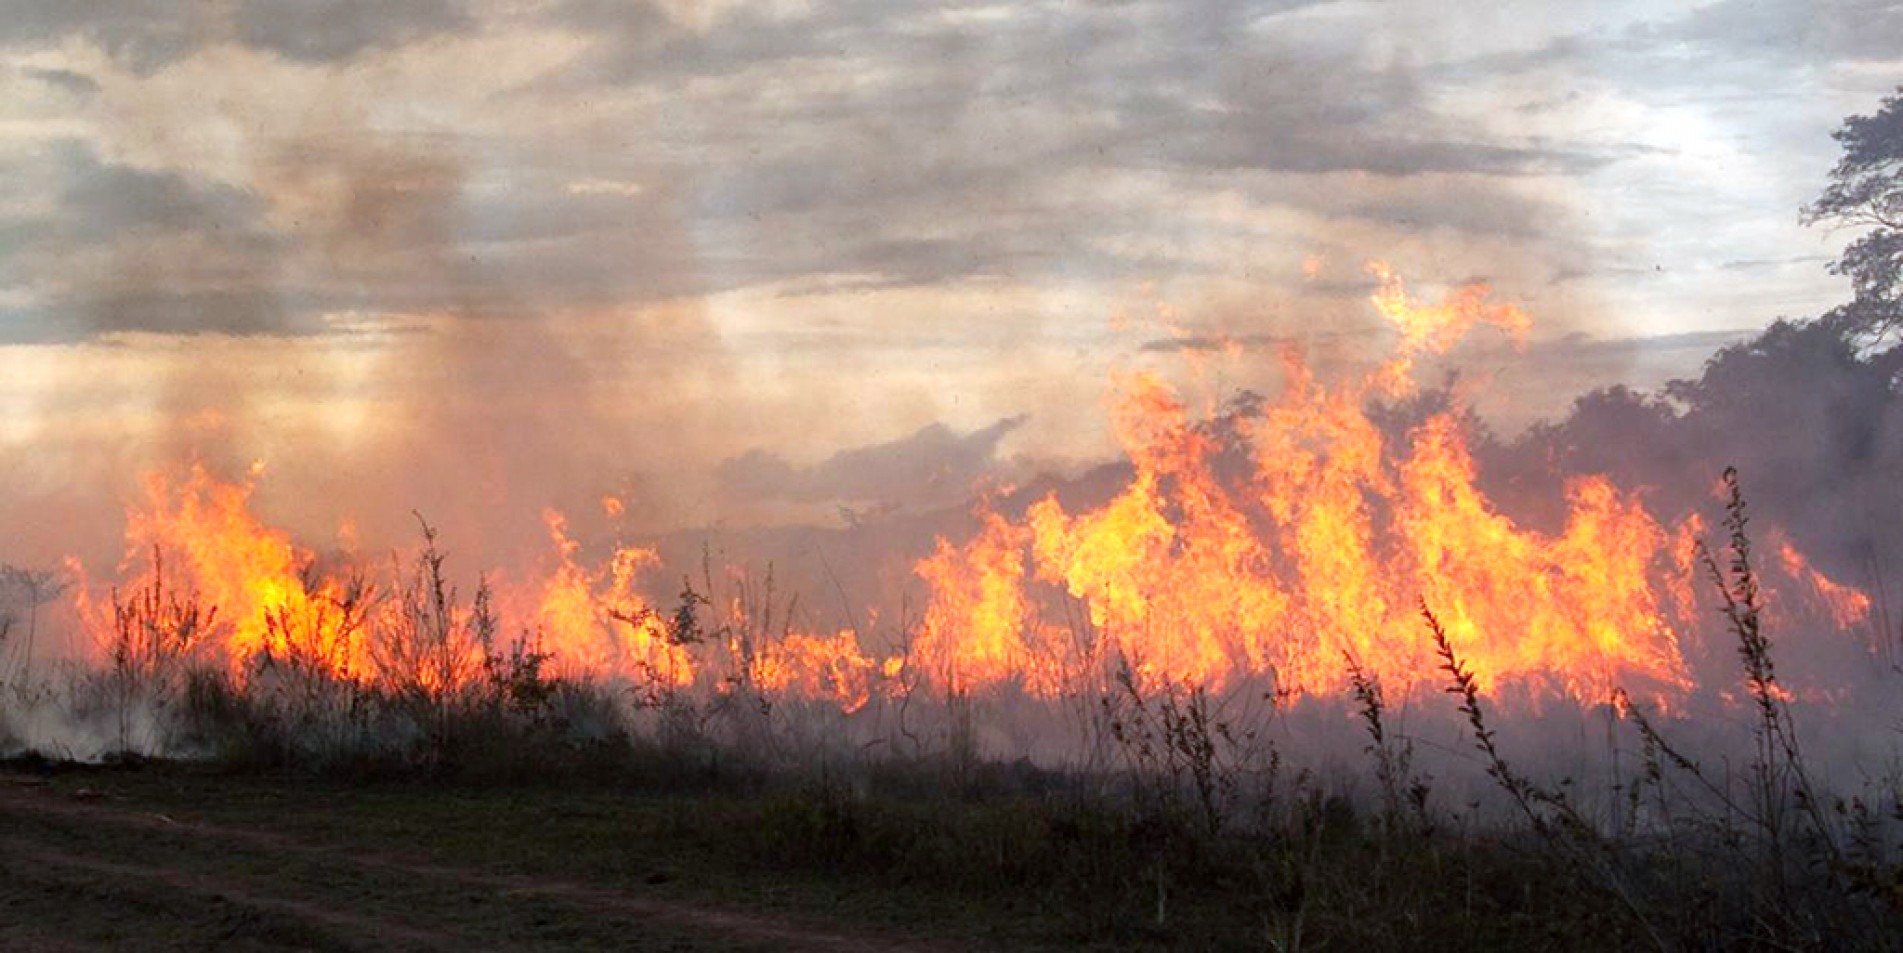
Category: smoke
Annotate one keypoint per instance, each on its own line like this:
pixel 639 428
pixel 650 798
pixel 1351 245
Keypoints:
pixel 392 312
pixel 334 313
pixel 933 467
pixel 493 403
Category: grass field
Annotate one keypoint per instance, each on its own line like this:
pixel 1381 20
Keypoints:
pixel 166 856
pixel 159 855
pixel 172 857
pixel 513 810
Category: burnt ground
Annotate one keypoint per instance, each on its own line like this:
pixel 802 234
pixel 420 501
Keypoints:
pixel 171 858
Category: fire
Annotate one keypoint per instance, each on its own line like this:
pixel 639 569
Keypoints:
pixel 830 668
pixel 974 631
pixel 258 580
pixel 200 537
pixel 1848 607
pixel 594 621
pixel 1172 553
pixel 1262 549
pixel 1314 539
pixel 1434 328
pixel 1438 327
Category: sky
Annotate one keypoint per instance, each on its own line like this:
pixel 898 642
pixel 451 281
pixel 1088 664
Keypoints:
pixel 752 261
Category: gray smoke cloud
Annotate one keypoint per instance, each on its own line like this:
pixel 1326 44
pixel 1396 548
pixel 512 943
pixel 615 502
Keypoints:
pixel 934 466
pixel 148 35
pixel 531 292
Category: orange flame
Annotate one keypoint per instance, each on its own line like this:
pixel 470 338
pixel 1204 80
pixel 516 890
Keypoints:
pixel 1847 606
pixel 1266 548
pixel 594 621
pixel 1210 569
pixel 252 573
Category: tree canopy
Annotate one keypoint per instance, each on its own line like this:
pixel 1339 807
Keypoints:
pixel 1866 191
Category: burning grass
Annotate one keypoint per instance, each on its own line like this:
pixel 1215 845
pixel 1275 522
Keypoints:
pixel 1193 815
pixel 1179 665
pixel 1243 550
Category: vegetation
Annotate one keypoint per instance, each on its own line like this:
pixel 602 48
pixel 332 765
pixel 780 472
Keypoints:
pixel 1866 192
pixel 1200 832
pixel 1195 821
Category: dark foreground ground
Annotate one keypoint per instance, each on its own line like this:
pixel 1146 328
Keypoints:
pixel 173 858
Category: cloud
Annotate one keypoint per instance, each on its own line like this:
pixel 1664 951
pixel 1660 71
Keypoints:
pixel 1716 49
pixel 78 84
pixel 321 31
pixel 1285 108
pixel 1021 166
pixel 343 221
pixel 1791 31
pixel 101 200
pixel 931 466
pixel 360 225
pixel 914 145
pixel 141 34
pixel 901 145
pixel 147 35
pixel 127 249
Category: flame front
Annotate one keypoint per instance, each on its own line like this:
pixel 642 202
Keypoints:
pixel 1318 545
pixel 268 601
pixel 1268 547
pixel 593 621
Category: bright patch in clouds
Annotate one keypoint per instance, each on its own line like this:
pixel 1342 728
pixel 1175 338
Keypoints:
pixel 799 228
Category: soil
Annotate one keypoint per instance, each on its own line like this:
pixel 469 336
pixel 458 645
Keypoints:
pixel 128 860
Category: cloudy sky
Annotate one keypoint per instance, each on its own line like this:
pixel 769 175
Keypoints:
pixel 709 255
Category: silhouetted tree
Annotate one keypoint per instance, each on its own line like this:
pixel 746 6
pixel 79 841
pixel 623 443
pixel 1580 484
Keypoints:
pixel 1866 192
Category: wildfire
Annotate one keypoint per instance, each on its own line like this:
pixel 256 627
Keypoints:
pixel 594 620
pixel 1266 547
pixel 268 602
pixel 1847 606
pixel 1314 538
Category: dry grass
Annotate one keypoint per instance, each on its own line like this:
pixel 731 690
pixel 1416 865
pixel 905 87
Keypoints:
pixel 1197 832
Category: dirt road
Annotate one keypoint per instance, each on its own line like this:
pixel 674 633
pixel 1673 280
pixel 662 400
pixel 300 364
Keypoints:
pixel 92 868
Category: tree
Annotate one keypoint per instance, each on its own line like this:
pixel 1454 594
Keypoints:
pixel 1866 192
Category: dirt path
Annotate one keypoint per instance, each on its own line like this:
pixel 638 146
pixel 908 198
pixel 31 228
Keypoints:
pixel 91 872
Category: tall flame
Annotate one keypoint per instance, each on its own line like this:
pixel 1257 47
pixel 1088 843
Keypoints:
pixel 1316 548
pixel 1272 546
pixel 594 620
pixel 267 599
